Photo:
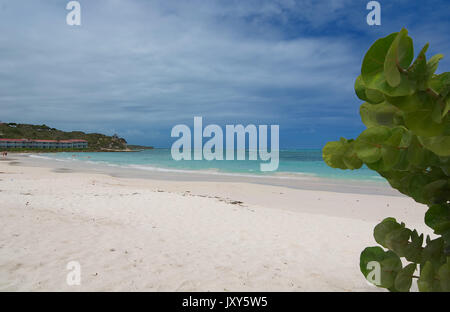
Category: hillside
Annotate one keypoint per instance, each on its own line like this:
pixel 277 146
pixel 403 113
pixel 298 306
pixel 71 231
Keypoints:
pixel 96 141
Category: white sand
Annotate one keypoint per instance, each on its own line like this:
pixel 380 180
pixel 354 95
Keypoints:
pixel 149 235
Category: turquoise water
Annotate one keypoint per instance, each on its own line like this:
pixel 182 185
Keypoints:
pixel 292 162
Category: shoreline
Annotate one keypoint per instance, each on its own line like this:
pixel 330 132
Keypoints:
pixel 143 234
pixel 294 180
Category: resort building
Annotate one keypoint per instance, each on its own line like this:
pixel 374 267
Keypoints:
pixel 25 143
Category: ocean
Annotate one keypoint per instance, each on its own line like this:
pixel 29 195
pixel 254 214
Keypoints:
pixel 298 162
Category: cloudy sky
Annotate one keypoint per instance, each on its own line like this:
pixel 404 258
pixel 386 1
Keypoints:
pixel 139 67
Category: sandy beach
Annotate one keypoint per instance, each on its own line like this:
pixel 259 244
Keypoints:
pixel 181 234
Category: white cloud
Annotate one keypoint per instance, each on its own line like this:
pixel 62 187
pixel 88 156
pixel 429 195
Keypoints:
pixel 149 65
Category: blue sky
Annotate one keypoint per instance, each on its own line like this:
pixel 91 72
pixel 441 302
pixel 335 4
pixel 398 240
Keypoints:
pixel 139 67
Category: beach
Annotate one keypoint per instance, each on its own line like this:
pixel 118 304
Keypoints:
pixel 161 231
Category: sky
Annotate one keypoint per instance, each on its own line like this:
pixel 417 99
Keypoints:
pixel 139 67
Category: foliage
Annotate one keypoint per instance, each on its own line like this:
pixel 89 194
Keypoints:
pixel 96 141
pixel 407 141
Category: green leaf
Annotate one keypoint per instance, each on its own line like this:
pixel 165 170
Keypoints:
pixel 407 142
pixel 374 96
pixel 444 276
pixel 365 94
pixel 438 218
pixel 396 240
pixel 378 115
pixel 372 70
pixel 433 63
pixel 447 107
pixel 389 264
pixel 399 56
pixel 440 145
pixel 426 280
pixel 360 89
pixel 413 251
pixel 390 156
pixel 403 280
pixel 415 152
pixel 340 154
pixel 433 251
pixel 368 144
pixel 383 229
pixel 407 104
pixel 437 191
pixel 419 71
pixel 351 160
pixel 440 83
pixel 422 124
pixel 436 113
pixel 416 186
pixel 333 153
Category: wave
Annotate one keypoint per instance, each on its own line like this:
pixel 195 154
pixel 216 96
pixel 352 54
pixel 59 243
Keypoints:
pixel 249 173
pixel 296 176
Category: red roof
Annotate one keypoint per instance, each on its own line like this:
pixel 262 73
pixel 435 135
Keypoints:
pixel 42 141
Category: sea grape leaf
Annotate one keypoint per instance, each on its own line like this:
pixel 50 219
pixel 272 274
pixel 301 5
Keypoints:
pixel 397 239
pixel 436 113
pixel 433 63
pixel 368 144
pixel 403 280
pixel 422 124
pixel 440 145
pixel 447 107
pixel 433 251
pixel 360 89
pixel 407 141
pixel 419 71
pixel 440 83
pixel 444 276
pixel 340 154
pixel 416 186
pixel 390 156
pixel 415 152
pixel 407 104
pixel 390 264
pixel 384 228
pixel 375 115
pixel 372 70
pixel 400 54
pixel 426 280
pixel 438 218
pixel 374 96
pixel 351 160
pixel 413 251
pixel 368 95
pixel 437 191
pixel 332 154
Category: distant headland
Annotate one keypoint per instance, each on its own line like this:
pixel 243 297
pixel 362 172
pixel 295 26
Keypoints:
pixel 89 142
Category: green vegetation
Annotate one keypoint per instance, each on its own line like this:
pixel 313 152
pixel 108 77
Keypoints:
pixel 407 141
pixel 139 147
pixel 96 141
